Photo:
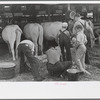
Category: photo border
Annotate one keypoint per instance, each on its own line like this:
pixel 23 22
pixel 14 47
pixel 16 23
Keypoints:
pixel 49 90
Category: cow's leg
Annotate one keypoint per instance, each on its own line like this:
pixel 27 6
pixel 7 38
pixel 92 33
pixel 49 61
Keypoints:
pixel 45 45
pixel 18 38
pixel 9 47
pixel 99 40
pixel 36 49
pixel 12 49
pixel 40 42
pixel 40 49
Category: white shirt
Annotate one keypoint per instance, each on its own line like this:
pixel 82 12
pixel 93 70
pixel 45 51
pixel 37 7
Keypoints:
pixel 81 37
pixel 28 43
pixel 53 55
pixel 79 22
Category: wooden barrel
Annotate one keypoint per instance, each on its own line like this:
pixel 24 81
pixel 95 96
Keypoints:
pixel 7 70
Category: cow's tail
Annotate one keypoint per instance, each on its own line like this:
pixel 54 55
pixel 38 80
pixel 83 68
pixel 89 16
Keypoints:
pixel 40 39
pixel 18 39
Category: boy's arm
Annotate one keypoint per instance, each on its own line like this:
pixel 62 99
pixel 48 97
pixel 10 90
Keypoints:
pixel 78 41
pixel 73 41
pixel 85 42
pixel 59 52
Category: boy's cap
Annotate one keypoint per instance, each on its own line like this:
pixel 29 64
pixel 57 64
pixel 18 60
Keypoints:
pixel 65 25
pixel 77 15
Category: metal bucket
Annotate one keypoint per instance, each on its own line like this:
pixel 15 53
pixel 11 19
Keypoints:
pixel 7 70
pixel 73 74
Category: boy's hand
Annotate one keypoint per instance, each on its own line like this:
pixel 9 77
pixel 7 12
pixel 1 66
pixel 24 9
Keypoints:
pixel 73 63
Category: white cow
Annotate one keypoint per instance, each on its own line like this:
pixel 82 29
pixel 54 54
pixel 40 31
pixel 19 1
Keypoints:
pixel 10 34
pixel 51 29
pixel 34 32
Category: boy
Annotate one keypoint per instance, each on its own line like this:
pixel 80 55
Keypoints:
pixel 88 31
pixel 79 44
pixel 64 42
pixel 26 48
pixel 54 66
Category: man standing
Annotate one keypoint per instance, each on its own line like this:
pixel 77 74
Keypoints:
pixel 55 66
pixel 26 48
pixel 64 42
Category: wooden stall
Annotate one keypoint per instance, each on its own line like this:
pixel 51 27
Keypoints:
pixel 23 13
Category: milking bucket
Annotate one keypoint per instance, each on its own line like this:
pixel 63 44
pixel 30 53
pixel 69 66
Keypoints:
pixel 73 74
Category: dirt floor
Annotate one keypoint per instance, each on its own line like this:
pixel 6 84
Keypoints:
pixel 94 69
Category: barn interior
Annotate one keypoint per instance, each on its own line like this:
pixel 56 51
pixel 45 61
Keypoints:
pixel 22 14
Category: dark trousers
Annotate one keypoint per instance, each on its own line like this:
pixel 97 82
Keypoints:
pixel 87 57
pixel 58 68
pixel 64 42
pixel 24 50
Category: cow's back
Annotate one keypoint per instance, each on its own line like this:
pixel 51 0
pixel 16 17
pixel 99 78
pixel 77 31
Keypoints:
pixel 31 30
pixel 51 29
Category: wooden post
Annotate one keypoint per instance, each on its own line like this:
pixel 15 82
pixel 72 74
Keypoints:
pixel 49 19
pixel 13 11
pixel 68 7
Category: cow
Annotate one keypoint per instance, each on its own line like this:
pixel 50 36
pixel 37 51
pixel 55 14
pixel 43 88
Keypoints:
pixel 50 32
pixel 10 34
pixel 51 29
pixel 34 32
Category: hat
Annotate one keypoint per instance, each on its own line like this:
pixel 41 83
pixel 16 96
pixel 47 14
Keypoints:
pixel 77 15
pixel 72 14
pixel 65 25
